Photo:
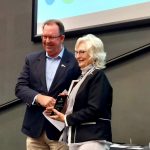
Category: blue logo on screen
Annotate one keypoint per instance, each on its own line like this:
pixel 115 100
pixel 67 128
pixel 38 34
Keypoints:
pixel 49 2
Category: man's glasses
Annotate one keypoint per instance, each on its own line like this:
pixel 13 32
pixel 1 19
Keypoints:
pixel 50 37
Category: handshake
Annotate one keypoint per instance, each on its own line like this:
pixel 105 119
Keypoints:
pixel 60 104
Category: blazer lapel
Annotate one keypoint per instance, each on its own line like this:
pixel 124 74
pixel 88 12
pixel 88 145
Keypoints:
pixel 61 71
pixel 41 67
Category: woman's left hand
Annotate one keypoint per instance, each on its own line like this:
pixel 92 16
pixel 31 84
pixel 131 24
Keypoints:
pixel 57 115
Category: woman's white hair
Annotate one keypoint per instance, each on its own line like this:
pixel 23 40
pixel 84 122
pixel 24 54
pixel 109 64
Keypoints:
pixel 95 49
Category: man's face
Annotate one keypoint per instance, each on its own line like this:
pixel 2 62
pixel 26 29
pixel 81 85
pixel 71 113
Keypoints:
pixel 52 40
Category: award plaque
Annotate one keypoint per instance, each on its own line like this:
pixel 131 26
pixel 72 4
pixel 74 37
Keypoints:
pixel 60 102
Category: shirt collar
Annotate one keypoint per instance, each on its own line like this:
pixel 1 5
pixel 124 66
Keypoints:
pixel 58 56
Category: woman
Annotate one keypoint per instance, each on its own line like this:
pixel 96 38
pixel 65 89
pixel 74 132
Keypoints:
pixel 88 115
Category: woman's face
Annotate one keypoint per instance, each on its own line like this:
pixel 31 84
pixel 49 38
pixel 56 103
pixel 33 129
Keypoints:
pixel 82 55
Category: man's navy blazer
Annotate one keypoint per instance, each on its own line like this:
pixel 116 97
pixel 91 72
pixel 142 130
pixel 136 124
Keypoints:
pixel 32 81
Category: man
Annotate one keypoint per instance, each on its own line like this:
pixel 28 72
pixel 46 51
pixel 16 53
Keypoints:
pixel 45 75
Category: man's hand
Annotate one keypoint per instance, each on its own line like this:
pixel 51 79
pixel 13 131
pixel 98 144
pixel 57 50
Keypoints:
pixel 45 101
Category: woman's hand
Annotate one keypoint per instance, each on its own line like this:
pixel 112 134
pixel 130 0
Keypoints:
pixel 64 93
pixel 57 115
pixel 48 111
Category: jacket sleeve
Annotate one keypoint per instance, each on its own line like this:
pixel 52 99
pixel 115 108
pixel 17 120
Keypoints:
pixel 23 90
